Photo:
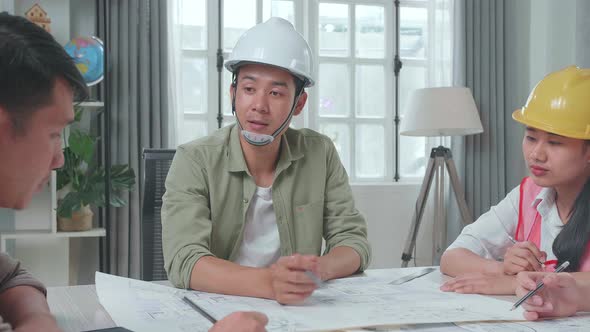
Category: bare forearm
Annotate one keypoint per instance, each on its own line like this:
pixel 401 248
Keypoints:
pixel 214 275
pixel 583 282
pixel 460 261
pixel 26 309
pixel 339 262
pixel 585 305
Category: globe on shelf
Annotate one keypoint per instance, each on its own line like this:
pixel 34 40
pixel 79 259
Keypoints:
pixel 88 55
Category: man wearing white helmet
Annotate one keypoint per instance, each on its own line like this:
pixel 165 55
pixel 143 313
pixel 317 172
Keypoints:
pixel 246 209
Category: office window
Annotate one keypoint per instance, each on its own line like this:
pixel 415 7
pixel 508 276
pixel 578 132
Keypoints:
pixel 192 72
pixel 414 53
pixel 352 105
pixel 353 100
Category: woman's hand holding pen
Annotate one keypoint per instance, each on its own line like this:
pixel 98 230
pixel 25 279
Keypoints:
pixel 290 283
pixel 560 297
pixel 523 256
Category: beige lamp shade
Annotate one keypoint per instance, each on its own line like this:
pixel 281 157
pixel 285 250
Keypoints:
pixel 446 111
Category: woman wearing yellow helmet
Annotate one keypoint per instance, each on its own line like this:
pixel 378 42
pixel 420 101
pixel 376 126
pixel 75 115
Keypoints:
pixel 546 220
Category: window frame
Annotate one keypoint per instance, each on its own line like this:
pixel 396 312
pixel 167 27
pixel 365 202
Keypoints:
pixel 306 17
pixel 313 118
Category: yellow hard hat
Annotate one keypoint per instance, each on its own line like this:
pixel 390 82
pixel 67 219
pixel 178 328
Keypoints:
pixel 559 104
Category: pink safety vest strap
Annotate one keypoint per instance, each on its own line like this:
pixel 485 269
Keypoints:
pixel 528 227
pixel 519 236
pixel 530 223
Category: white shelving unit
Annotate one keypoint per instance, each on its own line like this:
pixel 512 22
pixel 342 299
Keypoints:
pixel 36 242
pixel 95 232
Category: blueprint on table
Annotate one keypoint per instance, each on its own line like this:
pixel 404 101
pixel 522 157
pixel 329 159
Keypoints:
pixel 145 306
pixel 367 301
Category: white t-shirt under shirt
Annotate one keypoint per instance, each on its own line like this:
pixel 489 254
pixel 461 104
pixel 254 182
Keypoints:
pixel 488 236
pixel 261 243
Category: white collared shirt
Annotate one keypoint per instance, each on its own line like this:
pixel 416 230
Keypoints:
pixel 261 243
pixel 488 236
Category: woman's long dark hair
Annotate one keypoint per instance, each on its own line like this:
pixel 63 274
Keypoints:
pixel 570 244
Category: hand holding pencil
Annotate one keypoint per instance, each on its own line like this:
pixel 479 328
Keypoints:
pixel 559 295
pixel 294 278
pixel 523 256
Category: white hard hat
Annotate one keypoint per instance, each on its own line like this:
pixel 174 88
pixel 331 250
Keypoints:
pixel 276 43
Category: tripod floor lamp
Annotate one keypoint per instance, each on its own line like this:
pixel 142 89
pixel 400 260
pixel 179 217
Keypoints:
pixel 447 111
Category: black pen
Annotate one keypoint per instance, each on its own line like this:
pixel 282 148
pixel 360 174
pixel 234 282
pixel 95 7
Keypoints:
pixel 199 309
pixel 539 286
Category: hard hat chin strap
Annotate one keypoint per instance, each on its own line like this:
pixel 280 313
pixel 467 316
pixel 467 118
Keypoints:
pixel 263 139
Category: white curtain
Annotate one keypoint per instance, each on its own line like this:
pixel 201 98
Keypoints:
pixel 441 44
pixel 442 53
pixel 439 54
pixel 442 66
pixel 454 223
pixel 7 6
pixel 174 56
pixel 583 33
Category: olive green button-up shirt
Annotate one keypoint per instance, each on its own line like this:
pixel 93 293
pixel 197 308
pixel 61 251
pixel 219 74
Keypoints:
pixel 209 189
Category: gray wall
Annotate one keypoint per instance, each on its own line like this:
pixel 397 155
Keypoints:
pixel 57 11
pixel 583 33
pixel 552 37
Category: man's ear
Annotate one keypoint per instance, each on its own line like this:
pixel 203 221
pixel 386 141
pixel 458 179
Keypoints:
pixel 300 103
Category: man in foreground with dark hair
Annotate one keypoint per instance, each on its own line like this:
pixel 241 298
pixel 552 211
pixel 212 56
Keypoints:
pixel 38 81
pixel 38 85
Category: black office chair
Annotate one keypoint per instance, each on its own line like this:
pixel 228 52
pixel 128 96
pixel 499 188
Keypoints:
pixel 156 165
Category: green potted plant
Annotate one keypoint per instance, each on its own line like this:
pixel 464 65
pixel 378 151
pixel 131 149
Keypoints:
pixel 81 181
